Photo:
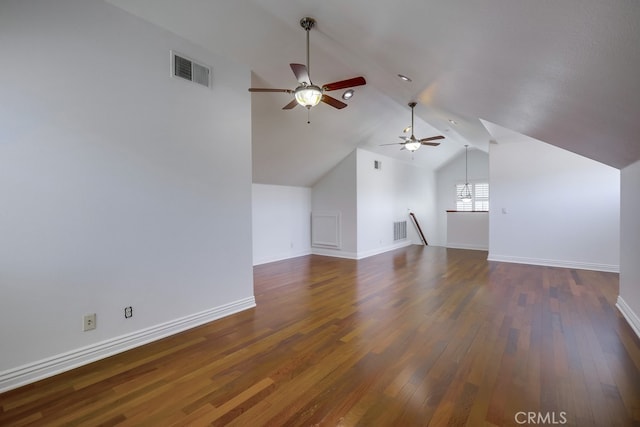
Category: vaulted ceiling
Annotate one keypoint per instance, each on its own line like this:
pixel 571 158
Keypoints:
pixel 564 72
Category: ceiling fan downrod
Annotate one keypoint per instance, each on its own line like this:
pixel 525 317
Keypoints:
pixel 308 23
pixel 412 105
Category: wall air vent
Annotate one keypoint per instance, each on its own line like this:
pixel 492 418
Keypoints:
pixel 399 230
pixel 377 164
pixel 188 69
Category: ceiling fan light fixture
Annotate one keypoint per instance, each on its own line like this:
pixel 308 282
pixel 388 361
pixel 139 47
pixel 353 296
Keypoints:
pixel 308 96
pixel 412 145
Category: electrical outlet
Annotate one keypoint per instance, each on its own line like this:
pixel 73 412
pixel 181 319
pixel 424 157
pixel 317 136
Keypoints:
pixel 128 312
pixel 89 322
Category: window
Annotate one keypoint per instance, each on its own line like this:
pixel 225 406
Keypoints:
pixel 479 198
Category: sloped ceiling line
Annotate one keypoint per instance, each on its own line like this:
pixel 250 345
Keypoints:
pixel 561 72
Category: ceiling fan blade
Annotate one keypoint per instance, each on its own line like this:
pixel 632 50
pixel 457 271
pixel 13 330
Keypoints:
pixel 259 89
pixel 393 143
pixel 290 105
pixel 343 84
pixel 333 102
pixel 301 72
pixel 433 138
pixel 432 144
pixel 405 138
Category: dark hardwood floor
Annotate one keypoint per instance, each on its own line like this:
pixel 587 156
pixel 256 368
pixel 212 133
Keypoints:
pixel 417 336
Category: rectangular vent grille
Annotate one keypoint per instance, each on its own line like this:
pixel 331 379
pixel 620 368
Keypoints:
pixel 399 230
pixel 182 67
pixel 187 69
pixel 377 164
pixel 200 74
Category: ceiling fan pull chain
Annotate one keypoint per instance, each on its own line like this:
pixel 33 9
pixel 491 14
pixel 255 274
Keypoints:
pixel 308 115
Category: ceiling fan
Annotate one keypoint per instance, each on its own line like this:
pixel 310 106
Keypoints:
pixel 307 94
pixel 412 143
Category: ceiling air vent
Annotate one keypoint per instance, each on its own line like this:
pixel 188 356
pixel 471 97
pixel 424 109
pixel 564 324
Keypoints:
pixel 186 68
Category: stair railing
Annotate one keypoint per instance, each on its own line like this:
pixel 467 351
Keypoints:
pixel 417 224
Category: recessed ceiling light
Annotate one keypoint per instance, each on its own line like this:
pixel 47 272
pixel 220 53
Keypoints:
pixel 347 94
pixel 405 78
pixel 407 129
pixel 453 122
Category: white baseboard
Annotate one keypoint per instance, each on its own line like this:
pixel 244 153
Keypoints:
pixel 334 253
pixel 632 318
pixel 48 367
pixel 281 257
pixel 359 255
pixel 384 249
pixel 467 246
pixel 555 263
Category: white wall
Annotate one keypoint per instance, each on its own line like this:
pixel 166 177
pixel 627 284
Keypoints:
pixel 450 174
pixel 387 195
pixel 371 200
pixel 468 230
pixel 281 222
pixel 118 186
pixel 562 209
pixel 629 299
pixel 336 192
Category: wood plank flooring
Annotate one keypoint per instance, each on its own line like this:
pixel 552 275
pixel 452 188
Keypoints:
pixel 414 337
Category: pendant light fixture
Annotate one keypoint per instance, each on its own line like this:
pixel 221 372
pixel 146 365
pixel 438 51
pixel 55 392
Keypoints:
pixel 465 192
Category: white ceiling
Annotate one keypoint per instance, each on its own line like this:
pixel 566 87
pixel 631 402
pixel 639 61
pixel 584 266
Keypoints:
pixel 566 72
